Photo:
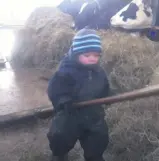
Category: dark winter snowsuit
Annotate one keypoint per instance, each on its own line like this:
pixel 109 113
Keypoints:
pixel 74 83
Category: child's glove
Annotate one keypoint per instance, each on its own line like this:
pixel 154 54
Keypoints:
pixel 67 106
pixel 64 104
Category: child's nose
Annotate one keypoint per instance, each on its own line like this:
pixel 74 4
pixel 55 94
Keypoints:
pixel 92 57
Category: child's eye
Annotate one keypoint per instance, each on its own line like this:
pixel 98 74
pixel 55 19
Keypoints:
pixel 87 55
pixel 96 56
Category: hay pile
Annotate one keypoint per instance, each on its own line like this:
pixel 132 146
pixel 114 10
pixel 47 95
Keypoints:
pixel 45 37
pixel 130 62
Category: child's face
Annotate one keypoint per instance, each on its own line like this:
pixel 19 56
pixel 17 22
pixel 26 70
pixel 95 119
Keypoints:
pixel 89 58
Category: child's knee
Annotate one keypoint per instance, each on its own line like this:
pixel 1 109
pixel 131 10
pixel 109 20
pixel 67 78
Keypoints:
pixel 60 143
pixel 62 134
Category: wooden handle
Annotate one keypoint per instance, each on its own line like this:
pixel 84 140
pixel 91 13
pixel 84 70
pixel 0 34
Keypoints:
pixel 155 27
pixel 145 92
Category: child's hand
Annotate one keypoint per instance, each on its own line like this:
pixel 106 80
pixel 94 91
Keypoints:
pixel 67 106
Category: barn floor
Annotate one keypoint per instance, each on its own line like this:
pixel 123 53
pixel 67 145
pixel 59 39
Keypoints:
pixel 29 143
pixel 21 89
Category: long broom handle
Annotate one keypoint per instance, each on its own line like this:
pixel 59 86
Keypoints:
pixel 136 94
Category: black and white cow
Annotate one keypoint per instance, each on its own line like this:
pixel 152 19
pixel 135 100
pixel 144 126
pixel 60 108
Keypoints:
pixel 71 7
pixel 94 14
pixel 139 14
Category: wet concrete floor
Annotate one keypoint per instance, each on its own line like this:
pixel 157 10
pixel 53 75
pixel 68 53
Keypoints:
pixel 21 89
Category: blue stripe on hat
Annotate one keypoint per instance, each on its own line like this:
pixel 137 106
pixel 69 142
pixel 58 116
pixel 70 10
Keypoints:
pixel 86 36
pixel 86 41
pixel 85 44
pixel 86 47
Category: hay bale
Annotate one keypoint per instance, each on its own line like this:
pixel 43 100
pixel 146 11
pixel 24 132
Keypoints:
pixel 44 39
pixel 129 61
pixel 133 129
pixel 155 77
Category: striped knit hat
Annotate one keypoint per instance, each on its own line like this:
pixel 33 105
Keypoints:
pixel 86 40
